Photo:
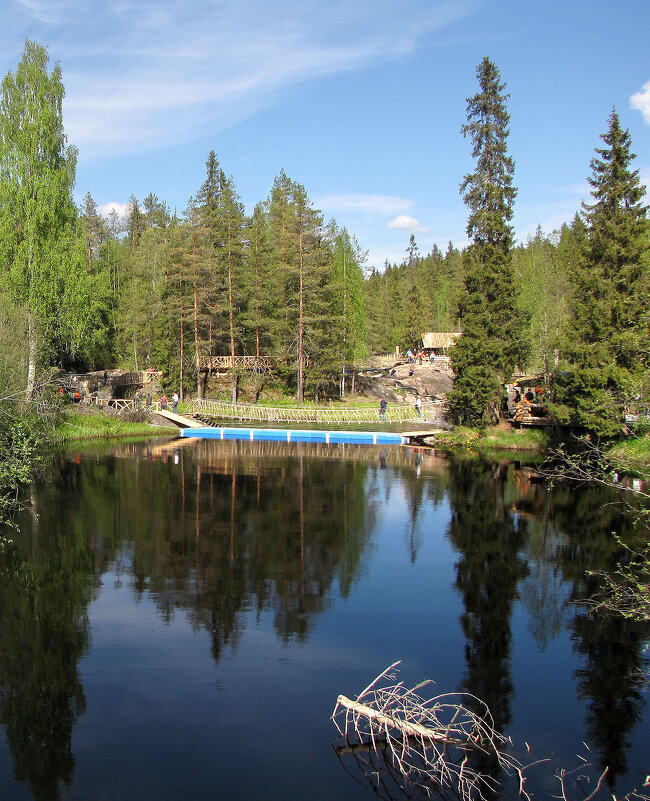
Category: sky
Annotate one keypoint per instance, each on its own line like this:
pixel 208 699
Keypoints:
pixel 361 101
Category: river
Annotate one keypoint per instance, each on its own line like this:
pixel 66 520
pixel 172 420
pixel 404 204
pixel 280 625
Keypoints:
pixel 178 617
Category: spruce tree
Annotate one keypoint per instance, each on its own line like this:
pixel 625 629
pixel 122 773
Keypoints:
pixel 491 346
pixel 609 337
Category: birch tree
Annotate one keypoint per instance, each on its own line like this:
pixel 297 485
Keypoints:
pixel 38 219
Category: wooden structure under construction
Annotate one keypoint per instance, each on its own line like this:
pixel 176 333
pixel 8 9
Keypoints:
pixel 436 345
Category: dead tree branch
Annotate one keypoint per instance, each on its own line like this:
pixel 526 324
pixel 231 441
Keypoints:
pixel 445 745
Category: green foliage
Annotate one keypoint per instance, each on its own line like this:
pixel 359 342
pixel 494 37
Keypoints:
pixel 608 345
pixel 404 301
pixel 42 246
pixel 492 342
pixel 18 445
pixel 543 300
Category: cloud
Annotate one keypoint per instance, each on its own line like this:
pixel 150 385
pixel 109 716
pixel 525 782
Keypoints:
pixel 404 223
pixel 121 209
pixel 640 101
pixel 47 10
pixel 143 73
pixel 371 204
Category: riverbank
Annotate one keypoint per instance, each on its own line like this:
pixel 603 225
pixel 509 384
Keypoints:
pixel 498 438
pixel 94 423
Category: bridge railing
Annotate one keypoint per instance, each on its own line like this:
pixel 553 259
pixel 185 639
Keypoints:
pixel 269 414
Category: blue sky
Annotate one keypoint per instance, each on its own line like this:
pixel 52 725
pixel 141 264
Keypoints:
pixel 359 100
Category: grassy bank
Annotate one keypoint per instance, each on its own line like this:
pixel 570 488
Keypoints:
pixel 634 452
pixel 74 425
pixel 501 438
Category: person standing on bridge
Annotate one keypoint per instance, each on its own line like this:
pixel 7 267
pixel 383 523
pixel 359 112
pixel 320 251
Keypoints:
pixel 163 402
pixel 175 402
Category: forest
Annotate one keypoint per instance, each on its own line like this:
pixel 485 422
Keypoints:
pixel 159 288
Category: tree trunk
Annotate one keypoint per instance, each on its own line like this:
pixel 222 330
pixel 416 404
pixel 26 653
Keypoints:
pixel 32 347
pixel 231 322
pixel 301 328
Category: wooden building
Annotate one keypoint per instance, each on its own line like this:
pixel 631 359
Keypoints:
pixel 436 345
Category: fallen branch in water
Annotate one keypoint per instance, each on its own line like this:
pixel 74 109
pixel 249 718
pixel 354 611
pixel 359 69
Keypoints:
pixel 446 745
pixel 430 742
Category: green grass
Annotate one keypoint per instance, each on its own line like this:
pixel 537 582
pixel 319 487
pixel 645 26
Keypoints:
pixel 494 439
pixel 633 452
pixel 74 426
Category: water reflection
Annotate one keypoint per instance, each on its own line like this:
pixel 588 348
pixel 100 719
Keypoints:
pixel 217 531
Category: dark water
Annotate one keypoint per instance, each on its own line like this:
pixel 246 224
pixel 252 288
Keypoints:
pixel 177 621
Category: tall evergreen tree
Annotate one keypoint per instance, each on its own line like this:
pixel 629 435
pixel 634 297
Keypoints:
pixel 305 273
pixel 491 346
pixel 136 223
pixel 348 273
pixel 231 260
pixel 95 229
pixel 609 351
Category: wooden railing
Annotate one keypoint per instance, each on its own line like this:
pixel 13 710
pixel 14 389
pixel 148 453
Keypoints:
pixel 396 413
pixel 120 403
pixel 228 363
pixel 136 377
pixel 269 414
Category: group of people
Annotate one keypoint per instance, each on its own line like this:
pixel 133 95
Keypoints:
pixel 413 356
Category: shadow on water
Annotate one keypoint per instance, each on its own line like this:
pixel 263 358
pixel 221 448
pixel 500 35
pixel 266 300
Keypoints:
pixel 225 535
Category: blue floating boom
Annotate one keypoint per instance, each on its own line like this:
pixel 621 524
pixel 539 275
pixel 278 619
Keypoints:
pixel 297 435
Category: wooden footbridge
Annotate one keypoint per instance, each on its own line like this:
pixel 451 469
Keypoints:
pixel 192 422
pixel 332 415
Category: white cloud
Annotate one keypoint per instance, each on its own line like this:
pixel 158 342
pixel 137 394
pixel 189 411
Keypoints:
pixel 47 10
pixel 141 73
pixel 640 101
pixel 404 223
pixel 371 204
pixel 121 209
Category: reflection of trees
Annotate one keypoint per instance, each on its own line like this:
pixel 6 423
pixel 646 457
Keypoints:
pixel 43 634
pixel 544 592
pixel 612 648
pixel 224 527
pixel 488 537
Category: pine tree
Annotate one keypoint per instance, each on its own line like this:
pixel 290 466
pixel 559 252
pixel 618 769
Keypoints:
pixel 348 274
pixel 609 340
pixel 231 259
pixel 95 230
pixel 491 345
pixel 262 306
pixel 222 217
pixel 305 273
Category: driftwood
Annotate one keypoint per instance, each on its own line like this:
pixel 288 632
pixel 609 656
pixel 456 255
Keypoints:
pixel 435 743
pixel 445 745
